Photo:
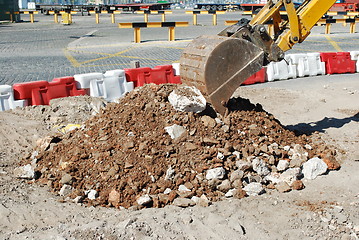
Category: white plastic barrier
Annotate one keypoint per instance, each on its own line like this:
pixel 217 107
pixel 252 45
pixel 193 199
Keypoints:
pixel 112 86
pixel 354 55
pixel 307 64
pixel 83 80
pixel 176 67
pixel 280 71
pixel 7 101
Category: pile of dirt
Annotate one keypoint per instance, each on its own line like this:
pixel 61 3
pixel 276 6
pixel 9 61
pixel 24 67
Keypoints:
pixel 124 156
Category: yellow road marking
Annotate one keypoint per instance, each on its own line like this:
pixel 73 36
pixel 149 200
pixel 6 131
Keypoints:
pixel 333 43
pixel 69 57
pixel 110 56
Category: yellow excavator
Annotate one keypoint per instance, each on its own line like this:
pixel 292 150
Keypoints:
pixel 218 65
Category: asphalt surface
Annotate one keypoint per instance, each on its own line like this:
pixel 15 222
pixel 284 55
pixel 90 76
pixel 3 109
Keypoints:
pixel 44 50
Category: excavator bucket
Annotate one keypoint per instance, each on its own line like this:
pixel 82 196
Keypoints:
pixel 218 65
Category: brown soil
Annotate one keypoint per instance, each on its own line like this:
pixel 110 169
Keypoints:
pixel 125 149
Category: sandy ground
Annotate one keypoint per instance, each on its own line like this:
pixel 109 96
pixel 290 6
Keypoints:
pixel 326 209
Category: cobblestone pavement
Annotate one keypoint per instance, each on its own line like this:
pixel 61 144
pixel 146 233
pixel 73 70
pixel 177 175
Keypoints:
pixel 45 50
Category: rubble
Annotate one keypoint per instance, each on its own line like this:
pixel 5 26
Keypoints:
pixel 254 189
pixel 25 172
pixel 175 131
pixel 130 155
pixel 215 173
pixel 187 99
pixel 313 168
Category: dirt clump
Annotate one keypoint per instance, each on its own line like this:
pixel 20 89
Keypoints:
pixel 124 156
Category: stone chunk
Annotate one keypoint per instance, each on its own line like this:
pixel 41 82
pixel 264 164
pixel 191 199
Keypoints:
pixel 298 156
pixel 175 131
pixel 254 189
pixel 187 99
pixel 290 175
pixel 243 165
pixel 283 187
pixel 282 165
pixel 66 179
pixel 65 190
pixel 183 202
pixel 92 194
pixel 144 200
pixel 25 172
pixel 313 168
pixel 260 167
pixel 224 186
pixel 208 121
pixel 215 173
pixel 114 197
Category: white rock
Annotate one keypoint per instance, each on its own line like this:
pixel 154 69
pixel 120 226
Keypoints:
pixel 187 99
pixel 183 188
pixel 230 193
pixel 167 191
pixel 237 174
pixel 78 199
pixel 143 200
pixel 215 173
pixel 282 165
pixel 237 154
pixel 25 172
pixel 286 148
pixel 183 202
pixel 290 175
pixel 65 190
pixel 260 167
pixel 313 168
pixel 254 189
pixel 195 199
pixel 273 177
pixel 243 165
pixel 92 194
pixel 175 131
pixel 220 155
pixel 170 173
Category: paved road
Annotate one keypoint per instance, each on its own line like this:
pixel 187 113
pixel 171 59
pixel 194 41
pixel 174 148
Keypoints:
pixel 45 50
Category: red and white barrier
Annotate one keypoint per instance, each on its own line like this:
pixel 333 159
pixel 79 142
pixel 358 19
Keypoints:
pixel 115 83
pixel 281 71
pixel 7 100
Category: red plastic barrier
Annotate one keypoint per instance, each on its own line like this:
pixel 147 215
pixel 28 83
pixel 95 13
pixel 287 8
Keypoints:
pixel 41 92
pixel 338 62
pixel 258 77
pixel 158 75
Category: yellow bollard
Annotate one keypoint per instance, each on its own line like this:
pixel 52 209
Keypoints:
pixel 32 17
pixel 70 18
pixel 137 32
pixel 214 18
pixel 146 17
pixel 56 19
pixel 163 17
pixel 171 33
pixel 113 17
pixel 194 19
pixel 97 18
pixel 327 28
pixel 352 27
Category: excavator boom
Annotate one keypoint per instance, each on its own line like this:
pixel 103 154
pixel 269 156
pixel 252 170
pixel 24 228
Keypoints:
pixel 218 65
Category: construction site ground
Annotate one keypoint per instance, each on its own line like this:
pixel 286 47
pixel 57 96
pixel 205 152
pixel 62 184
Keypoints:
pixel 324 106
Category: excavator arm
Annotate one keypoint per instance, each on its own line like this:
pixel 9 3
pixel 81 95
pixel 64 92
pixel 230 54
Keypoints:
pixel 218 65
